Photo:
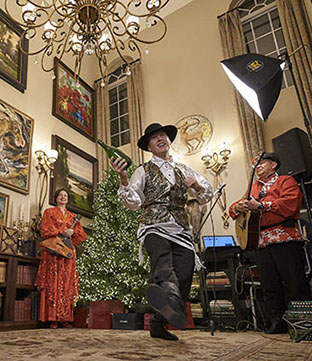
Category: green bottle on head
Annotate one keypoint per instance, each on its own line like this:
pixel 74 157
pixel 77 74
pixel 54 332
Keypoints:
pixel 114 152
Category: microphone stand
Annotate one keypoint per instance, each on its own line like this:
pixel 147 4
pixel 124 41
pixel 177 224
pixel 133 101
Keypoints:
pixel 202 276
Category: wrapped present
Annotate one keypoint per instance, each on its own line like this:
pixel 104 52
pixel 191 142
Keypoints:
pixel 128 321
pixel 81 315
pixel 189 318
pixel 100 313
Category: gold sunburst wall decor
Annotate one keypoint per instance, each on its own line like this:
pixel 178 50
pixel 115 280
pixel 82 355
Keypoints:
pixel 194 133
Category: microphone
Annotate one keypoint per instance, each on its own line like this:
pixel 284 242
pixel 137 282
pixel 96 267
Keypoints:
pixel 219 190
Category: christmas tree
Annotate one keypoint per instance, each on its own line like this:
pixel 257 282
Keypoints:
pixel 109 265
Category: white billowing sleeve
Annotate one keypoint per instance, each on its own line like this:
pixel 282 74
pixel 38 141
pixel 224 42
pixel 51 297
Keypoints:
pixel 206 192
pixel 132 196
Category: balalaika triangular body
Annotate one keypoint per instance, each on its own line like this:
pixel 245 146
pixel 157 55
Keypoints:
pixel 61 245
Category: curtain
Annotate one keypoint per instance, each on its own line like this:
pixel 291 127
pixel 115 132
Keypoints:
pixel 297 31
pixel 135 103
pixel 233 44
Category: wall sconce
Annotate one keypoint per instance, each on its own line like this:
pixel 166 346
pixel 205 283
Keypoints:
pixel 46 160
pixel 217 163
pixel 45 164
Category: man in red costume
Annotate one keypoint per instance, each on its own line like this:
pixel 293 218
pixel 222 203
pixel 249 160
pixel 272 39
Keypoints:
pixel 57 278
pixel 280 256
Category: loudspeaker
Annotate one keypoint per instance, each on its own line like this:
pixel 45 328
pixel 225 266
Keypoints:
pixel 295 153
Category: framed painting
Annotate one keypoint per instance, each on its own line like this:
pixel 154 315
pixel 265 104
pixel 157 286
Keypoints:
pixel 13 62
pixel 73 101
pixel 76 171
pixel 4 206
pixel 16 131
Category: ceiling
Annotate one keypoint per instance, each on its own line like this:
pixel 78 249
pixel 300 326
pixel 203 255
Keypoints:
pixel 173 6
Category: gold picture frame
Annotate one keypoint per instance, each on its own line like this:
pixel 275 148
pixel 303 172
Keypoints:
pixel 13 61
pixel 4 206
pixel 16 131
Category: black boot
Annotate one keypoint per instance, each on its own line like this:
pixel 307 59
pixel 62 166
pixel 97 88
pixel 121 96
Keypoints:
pixel 158 329
pixel 166 300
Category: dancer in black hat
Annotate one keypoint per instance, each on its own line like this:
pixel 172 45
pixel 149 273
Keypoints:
pixel 160 188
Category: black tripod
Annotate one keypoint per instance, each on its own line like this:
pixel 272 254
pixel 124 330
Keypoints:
pixel 202 276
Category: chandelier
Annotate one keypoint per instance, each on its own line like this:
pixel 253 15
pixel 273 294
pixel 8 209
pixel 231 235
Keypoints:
pixel 87 27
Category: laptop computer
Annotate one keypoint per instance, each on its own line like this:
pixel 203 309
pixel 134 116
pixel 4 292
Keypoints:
pixel 219 241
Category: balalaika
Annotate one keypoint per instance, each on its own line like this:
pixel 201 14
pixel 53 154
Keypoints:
pixel 247 224
pixel 61 245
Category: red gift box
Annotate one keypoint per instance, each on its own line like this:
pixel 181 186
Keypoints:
pixel 189 318
pixel 81 317
pixel 101 320
pixel 100 313
pixel 147 317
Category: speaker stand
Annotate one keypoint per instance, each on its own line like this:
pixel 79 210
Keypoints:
pixel 306 200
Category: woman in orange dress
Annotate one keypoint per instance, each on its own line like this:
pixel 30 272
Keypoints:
pixel 57 278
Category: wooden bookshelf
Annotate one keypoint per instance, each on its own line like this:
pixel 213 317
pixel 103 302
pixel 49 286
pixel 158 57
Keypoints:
pixel 12 291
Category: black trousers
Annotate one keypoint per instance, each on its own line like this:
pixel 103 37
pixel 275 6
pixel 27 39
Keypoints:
pixel 170 262
pixel 281 269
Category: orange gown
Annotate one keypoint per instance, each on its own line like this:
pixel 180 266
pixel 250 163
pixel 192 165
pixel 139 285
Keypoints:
pixel 57 278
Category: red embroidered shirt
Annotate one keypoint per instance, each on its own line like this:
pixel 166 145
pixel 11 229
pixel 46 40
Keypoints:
pixel 281 198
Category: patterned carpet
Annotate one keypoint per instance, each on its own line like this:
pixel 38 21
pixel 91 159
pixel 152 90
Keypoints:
pixel 114 345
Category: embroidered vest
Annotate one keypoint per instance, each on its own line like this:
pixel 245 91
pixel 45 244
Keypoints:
pixel 162 199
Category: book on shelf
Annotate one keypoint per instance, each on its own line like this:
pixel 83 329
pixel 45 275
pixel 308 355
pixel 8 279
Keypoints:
pixel 26 275
pixel 27 309
pixel 3 267
pixel 19 310
pixel 35 305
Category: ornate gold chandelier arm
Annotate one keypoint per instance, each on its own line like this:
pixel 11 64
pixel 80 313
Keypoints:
pixel 87 27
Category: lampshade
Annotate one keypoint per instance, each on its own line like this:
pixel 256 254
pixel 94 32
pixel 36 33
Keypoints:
pixel 258 78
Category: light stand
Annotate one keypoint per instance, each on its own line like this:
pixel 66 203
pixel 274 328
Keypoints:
pixel 258 78
pixel 307 125
pixel 202 276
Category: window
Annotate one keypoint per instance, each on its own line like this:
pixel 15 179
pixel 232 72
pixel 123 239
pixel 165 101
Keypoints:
pixel 263 31
pixel 118 106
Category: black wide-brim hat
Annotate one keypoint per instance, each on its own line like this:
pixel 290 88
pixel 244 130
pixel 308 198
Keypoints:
pixel 170 130
pixel 274 157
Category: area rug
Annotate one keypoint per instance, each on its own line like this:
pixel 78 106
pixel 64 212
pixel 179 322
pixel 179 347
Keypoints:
pixel 114 345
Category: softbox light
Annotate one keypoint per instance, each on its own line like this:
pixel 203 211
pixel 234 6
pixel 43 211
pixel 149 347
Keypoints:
pixel 258 78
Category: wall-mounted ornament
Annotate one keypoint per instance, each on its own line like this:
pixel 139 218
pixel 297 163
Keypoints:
pixel 194 133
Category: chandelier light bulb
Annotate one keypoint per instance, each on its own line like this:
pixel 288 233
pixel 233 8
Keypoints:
pixel 29 12
pixel 128 71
